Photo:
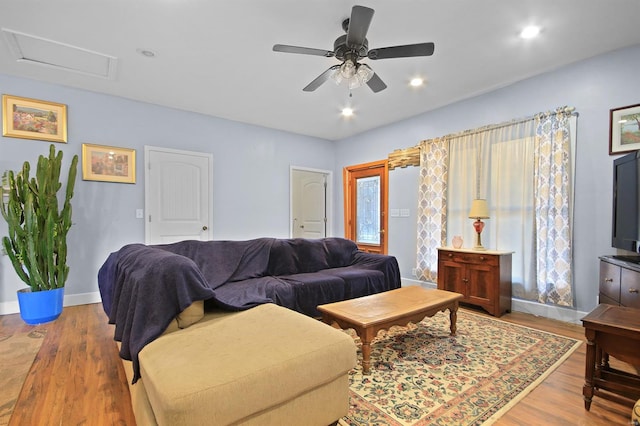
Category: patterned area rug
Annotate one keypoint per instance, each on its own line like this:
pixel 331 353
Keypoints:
pixel 17 353
pixel 420 375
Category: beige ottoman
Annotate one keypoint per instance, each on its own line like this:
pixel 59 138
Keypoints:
pixel 267 365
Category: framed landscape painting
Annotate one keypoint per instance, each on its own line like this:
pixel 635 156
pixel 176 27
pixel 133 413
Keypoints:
pixel 33 119
pixel 108 163
pixel 624 126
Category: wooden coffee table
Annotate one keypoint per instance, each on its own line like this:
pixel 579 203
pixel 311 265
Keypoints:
pixel 369 314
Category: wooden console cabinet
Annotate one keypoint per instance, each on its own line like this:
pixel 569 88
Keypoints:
pixel 482 277
pixel 619 282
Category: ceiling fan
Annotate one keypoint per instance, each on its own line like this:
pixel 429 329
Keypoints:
pixel 352 47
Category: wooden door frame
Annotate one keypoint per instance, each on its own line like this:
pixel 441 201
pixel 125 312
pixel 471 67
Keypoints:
pixel 348 193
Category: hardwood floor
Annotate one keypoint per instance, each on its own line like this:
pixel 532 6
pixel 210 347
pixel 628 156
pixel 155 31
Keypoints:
pixel 77 378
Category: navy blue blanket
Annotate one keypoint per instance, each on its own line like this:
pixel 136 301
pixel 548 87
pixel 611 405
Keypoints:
pixel 144 288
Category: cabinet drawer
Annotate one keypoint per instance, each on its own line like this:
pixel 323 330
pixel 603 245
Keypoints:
pixel 610 280
pixel 630 289
pixel 472 258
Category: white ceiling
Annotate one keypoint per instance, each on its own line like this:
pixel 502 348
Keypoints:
pixel 215 57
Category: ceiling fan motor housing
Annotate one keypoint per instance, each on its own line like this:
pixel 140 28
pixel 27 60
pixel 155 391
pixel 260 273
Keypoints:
pixel 342 51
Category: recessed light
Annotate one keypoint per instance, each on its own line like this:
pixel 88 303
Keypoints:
pixel 146 52
pixel 530 32
pixel 416 82
pixel 347 112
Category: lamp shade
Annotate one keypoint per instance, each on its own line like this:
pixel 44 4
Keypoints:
pixel 479 209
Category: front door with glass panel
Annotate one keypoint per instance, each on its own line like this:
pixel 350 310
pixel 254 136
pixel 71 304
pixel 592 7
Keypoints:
pixel 365 189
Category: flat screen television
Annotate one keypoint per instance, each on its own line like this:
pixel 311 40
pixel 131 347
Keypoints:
pixel 626 202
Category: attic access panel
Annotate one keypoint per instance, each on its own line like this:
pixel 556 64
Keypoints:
pixel 40 51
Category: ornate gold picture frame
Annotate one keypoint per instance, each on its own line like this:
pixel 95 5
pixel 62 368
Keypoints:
pixel 33 119
pixel 108 163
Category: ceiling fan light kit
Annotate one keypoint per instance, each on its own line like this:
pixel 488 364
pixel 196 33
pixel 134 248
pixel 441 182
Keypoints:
pixel 352 47
pixel 355 74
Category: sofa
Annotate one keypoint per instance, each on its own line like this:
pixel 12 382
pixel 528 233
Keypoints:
pixel 226 330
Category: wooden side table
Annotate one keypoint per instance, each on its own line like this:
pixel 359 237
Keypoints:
pixel 611 330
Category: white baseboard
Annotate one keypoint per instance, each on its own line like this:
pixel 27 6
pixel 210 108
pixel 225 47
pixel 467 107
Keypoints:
pixel 7 308
pixel 548 311
pixel 409 281
pixel 518 305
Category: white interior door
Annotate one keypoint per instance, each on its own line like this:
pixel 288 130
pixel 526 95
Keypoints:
pixel 309 203
pixel 177 195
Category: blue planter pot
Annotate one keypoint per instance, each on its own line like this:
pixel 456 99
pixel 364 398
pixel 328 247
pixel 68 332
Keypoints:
pixel 39 307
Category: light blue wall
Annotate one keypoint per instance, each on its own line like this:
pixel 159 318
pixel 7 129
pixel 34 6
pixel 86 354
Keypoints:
pixel 593 86
pixel 251 173
pixel 251 164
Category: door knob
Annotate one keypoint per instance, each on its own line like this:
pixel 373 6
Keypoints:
pixel 204 228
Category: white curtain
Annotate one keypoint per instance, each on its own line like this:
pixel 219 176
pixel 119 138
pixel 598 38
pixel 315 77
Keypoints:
pixel 496 164
pixel 499 163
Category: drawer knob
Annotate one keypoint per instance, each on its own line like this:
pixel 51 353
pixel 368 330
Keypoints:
pixel 633 290
pixel 608 280
pixel 450 255
pixel 482 258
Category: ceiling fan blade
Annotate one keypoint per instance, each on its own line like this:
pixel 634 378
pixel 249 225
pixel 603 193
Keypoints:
pixel 320 79
pixel 302 50
pixel 376 84
pixel 358 25
pixel 405 51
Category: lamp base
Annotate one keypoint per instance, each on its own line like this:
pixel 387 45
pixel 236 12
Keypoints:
pixel 478 226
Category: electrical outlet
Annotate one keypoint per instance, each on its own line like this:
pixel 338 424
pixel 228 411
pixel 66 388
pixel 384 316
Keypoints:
pixel 414 272
pixel 139 214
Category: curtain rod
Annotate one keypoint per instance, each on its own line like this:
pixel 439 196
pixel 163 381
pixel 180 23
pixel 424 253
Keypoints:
pixel 565 110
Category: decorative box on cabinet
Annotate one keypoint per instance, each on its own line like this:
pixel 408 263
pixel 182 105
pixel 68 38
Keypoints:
pixel 482 277
pixel 619 281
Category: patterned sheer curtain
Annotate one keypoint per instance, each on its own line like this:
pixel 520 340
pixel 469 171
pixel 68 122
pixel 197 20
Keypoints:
pixel 552 177
pixel 499 163
pixel 432 206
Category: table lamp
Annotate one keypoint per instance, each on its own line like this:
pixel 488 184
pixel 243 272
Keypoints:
pixel 479 210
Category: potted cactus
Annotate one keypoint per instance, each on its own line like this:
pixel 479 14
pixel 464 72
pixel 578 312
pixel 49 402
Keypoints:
pixel 37 240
